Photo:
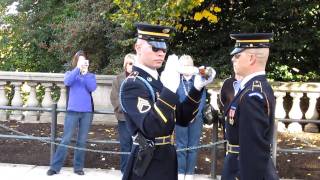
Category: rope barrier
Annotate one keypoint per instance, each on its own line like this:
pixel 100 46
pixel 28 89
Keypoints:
pixel 101 151
pixel 63 145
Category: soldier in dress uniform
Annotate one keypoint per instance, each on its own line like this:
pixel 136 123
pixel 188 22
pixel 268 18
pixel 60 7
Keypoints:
pixel 152 107
pixel 250 115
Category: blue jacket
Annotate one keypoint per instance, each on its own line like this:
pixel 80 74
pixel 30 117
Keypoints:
pixel 184 87
pixel 80 89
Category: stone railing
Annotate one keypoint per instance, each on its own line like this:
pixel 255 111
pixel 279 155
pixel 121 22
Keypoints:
pixel 297 101
pixel 26 83
pixel 293 100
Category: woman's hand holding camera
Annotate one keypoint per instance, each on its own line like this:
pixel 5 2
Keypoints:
pixel 83 65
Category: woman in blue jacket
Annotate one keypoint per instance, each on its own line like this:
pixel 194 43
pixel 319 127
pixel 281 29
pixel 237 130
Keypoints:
pixel 80 84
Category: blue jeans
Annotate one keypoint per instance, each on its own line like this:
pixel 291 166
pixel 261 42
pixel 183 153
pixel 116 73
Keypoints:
pixel 188 137
pixel 73 120
pixel 125 143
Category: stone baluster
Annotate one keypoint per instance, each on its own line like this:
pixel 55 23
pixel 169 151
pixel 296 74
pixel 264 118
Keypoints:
pixel 17 102
pixel 312 113
pixel 62 102
pixel 32 116
pixel 3 101
pixel 46 103
pixel 280 112
pixel 295 113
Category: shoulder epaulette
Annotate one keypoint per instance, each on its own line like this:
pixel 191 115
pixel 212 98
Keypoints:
pixel 256 90
pixel 256 86
pixel 134 74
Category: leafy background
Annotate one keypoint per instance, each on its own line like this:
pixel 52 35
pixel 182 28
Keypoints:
pixel 43 35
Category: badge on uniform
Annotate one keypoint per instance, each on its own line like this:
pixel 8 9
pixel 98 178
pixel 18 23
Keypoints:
pixel 134 74
pixel 232 113
pixel 143 105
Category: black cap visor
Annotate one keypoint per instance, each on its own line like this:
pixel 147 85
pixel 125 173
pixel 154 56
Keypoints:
pixel 236 51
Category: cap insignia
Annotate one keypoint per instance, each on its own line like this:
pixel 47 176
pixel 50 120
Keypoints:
pixel 166 30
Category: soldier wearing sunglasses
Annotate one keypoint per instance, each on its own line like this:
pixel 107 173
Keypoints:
pixel 152 108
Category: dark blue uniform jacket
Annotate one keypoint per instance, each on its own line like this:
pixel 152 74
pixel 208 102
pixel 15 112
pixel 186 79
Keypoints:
pixel 249 124
pixel 154 115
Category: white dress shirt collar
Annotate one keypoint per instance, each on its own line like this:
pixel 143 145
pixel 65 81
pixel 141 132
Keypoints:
pixel 154 73
pixel 247 78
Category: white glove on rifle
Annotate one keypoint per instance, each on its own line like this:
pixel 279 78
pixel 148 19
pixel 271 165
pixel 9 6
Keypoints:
pixel 201 81
pixel 170 77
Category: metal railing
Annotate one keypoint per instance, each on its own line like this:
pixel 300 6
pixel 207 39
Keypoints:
pixel 53 132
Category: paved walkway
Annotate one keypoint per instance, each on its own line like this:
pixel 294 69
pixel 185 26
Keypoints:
pixel 33 172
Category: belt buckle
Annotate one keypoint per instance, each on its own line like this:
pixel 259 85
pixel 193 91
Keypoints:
pixel 164 140
pixel 228 146
pixel 232 148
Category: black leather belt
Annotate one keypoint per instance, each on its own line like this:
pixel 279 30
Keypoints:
pixel 160 140
pixel 164 140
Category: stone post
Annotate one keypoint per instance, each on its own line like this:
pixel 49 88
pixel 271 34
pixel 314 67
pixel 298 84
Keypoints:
pixel 47 102
pixel 295 113
pixel 3 101
pixel 280 112
pixel 17 102
pixel 312 113
pixel 32 116
pixel 62 102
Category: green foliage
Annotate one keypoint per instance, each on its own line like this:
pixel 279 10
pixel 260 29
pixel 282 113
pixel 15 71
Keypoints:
pixel 22 38
pixel 187 16
pixel 295 25
pixel 164 12
pixel 45 34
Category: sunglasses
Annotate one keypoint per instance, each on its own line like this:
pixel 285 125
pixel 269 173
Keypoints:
pixel 158 45
pixel 155 49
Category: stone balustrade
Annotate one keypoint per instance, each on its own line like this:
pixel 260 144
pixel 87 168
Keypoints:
pixel 15 84
pixel 297 100
pixel 21 89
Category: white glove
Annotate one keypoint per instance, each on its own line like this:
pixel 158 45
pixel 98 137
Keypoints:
pixel 201 81
pixel 170 77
